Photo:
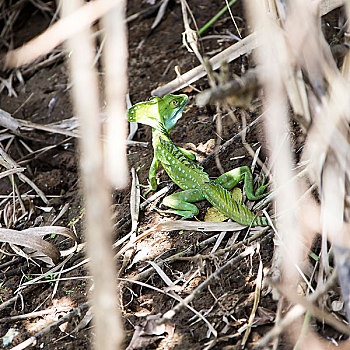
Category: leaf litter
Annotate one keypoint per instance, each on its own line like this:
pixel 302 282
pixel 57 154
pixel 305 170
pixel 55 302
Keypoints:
pixel 216 285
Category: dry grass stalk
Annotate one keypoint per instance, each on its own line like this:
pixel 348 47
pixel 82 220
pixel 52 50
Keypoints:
pixel 32 341
pixel 295 312
pixel 229 264
pixel 7 162
pixel 290 44
pixel 96 191
pixel 257 296
pixel 272 58
pixel 171 285
pixel 115 63
pixel 58 33
pixel 236 50
pixel 199 226
pixel 7 121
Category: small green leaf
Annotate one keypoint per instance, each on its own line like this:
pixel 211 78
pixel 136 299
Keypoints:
pixel 237 194
pixel 213 215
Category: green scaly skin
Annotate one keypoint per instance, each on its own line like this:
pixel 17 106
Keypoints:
pixel 162 114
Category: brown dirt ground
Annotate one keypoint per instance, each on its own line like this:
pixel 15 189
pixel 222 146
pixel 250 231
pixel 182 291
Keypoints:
pixel 228 303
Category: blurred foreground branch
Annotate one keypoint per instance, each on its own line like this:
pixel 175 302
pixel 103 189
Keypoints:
pixel 295 62
pixel 95 184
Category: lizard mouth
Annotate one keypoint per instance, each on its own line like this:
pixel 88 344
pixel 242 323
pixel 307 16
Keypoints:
pixel 171 120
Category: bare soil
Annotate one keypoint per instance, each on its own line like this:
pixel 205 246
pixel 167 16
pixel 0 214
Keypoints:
pixel 43 98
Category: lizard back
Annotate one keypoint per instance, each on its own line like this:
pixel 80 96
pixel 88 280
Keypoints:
pixel 182 170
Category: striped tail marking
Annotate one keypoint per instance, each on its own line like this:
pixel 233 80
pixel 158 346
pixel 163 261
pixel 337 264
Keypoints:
pixel 220 198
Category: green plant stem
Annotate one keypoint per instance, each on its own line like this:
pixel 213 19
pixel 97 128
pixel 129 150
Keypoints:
pixel 215 18
pixel 303 330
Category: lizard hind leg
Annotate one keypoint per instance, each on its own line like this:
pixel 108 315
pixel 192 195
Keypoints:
pixel 181 203
pixel 234 176
pixel 261 189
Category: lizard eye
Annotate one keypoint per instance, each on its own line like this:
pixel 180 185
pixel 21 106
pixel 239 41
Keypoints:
pixel 174 102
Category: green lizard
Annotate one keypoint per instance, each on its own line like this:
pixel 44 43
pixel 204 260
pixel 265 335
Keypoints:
pixel 162 114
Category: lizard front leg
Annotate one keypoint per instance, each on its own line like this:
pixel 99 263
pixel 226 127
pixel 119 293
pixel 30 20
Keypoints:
pixel 233 177
pixel 188 154
pixel 181 203
pixel 153 184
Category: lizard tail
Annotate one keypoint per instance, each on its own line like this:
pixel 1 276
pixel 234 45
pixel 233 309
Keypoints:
pixel 221 198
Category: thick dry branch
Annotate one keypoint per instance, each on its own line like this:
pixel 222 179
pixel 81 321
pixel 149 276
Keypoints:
pixel 239 87
pixel 236 50
pixel 297 311
pixel 32 341
pixel 250 250
pixel 7 121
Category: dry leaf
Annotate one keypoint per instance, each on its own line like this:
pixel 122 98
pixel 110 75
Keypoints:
pixel 32 238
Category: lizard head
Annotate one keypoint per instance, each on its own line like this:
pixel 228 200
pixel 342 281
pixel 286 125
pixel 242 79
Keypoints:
pixel 171 109
pixel 159 113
